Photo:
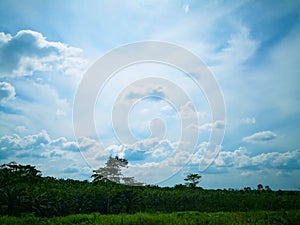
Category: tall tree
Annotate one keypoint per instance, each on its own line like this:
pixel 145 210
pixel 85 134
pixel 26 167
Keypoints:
pixel 192 180
pixel 112 170
pixel 260 187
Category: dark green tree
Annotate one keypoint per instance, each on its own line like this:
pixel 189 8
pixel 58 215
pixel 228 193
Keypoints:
pixel 267 188
pixel 130 199
pixel 10 201
pixel 260 187
pixel 192 180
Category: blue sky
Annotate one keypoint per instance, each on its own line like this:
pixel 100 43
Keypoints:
pixel 251 47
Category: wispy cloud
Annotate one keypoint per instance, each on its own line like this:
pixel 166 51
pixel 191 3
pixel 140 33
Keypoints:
pixel 7 91
pixel 218 124
pixel 186 8
pixel 248 120
pixel 261 136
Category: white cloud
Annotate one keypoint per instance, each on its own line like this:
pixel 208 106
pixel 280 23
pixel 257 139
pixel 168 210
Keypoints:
pixel 186 8
pixel 29 51
pixel 241 158
pixel 4 38
pixel 205 153
pixel 246 173
pixel 238 158
pixel 249 120
pixel 57 157
pixel 7 91
pixel 44 100
pixel 188 110
pixel 240 48
pixel 218 124
pixel 262 136
pixel 86 144
pixel 179 159
pixel 144 150
pixel 35 145
pixel 38 106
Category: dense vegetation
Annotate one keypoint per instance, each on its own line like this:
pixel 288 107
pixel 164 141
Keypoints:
pixel 23 191
pixel 182 218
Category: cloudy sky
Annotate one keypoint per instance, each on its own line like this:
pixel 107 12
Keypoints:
pixel 251 47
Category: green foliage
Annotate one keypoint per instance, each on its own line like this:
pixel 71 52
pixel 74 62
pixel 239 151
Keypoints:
pixel 111 171
pixel 24 191
pixel 182 218
pixel 192 180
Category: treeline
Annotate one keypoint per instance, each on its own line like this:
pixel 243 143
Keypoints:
pixel 23 190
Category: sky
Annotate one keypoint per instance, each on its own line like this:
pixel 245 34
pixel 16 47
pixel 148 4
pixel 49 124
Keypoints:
pixel 251 48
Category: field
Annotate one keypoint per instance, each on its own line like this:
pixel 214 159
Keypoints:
pixel 183 218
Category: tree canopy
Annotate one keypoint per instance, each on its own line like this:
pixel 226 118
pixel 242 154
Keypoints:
pixel 112 171
pixel 192 180
pixel 23 190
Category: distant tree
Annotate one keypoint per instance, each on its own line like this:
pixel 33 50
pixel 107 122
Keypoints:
pixel 20 170
pixel 112 170
pixel 192 180
pixel 260 187
pixel 267 188
pixel 12 173
pixel 180 186
pixel 247 189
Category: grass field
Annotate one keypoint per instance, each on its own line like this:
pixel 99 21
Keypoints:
pixel 182 218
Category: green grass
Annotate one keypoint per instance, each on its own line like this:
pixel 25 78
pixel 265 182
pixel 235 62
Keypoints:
pixel 181 218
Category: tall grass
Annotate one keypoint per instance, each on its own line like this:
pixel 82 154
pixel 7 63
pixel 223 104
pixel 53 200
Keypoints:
pixel 181 218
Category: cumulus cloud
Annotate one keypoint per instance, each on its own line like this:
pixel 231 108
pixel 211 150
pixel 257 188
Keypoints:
pixel 7 91
pixel 152 149
pixel 64 144
pixel 93 150
pixel 36 145
pixel 15 142
pixel 240 158
pixel 29 51
pixel 262 136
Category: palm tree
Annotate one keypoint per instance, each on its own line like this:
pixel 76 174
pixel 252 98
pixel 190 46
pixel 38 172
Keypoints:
pixel 130 199
pixel 10 200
